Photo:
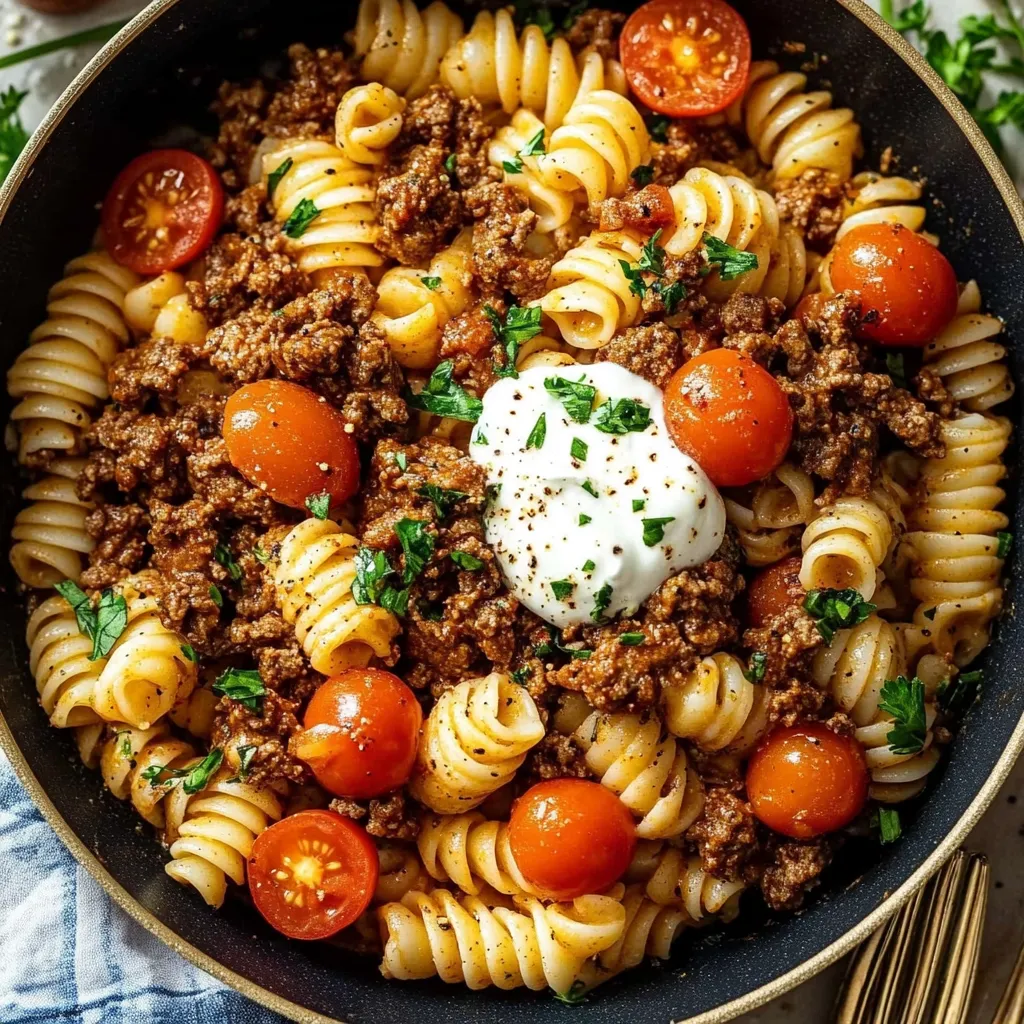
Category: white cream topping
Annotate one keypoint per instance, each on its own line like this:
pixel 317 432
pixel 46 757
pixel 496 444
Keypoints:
pixel 537 517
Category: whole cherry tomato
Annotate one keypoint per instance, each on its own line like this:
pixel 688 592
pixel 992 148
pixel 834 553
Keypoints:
pixel 729 413
pixel 772 591
pixel 162 210
pixel 361 731
pixel 686 58
pixel 312 874
pixel 807 780
pixel 288 441
pixel 570 837
pixel 906 287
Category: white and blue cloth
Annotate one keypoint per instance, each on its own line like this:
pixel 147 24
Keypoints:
pixel 69 955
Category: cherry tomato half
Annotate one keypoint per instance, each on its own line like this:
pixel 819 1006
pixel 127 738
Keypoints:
pixel 728 413
pixel 162 210
pixel 312 874
pixel 570 837
pixel 290 442
pixel 361 731
pixel 773 590
pixel 686 58
pixel 907 288
pixel 806 780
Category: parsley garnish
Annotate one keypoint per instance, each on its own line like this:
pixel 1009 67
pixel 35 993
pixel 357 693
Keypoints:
pixel 302 216
pixel 590 489
pixel 192 779
pixel 671 295
pixel 222 554
pixel 534 145
pixel 642 175
pixel 513 166
pixel 275 176
pixel 519 325
pixel 125 747
pixel 904 699
pixel 464 560
pixel 889 829
pixel 562 588
pixel 431 283
pixel 602 599
pixel 444 499
pixel 638 504
pixel 481 438
pixel 102 624
pixel 584 519
pixel 1005 543
pixel 539 432
pixel 449 163
pixel 575 396
pixel 245 756
pixel 520 675
pixel 623 416
pixel 731 262
pixel 654 529
pixel 319 504
pixel 758 664
pixel 443 397
pixel 658 127
pixel 260 555
pixel 554 643
pixel 244 685
pixel 589 566
pixel 395 601
pixel 216 596
pixel 401 461
pixel 652 261
pixel 836 609
pixel 896 369
pixel 578 449
pixel 190 652
pixel 955 696
pixel 372 568
pixel 529 13
pixel 631 639
pixel 417 546
pixel 576 993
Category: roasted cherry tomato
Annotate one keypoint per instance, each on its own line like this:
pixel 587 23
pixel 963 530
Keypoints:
pixel 312 874
pixel 773 590
pixel 729 414
pixel 162 211
pixel 290 442
pixel 810 306
pixel 570 837
pixel 361 731
pixel 906 287
pixel 686 58
pixel 806 780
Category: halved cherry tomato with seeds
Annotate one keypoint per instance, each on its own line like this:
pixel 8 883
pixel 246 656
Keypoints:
pixel 686 58
pixel 361 731
pixel 570 837
pixel 312 874
pixel 806 780
pixel 730 415
pixel 162 211
pixel 773 590
pixel 291 443
pixel 907 288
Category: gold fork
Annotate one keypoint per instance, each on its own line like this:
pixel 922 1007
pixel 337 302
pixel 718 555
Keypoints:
pixel 921 965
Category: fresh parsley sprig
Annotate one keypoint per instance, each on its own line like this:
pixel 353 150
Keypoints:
pixel 442 396
pixel 903 698
pixel 836 609
pixel 729 261
pixel 192 779
pixel 517 326
pixel 102 623
pixel 575 396
pixel 244 685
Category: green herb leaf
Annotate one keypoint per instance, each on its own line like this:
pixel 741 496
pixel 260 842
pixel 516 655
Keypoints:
pixel 222 554
pixel 889 829
pixel 519 325
pixel 562 588
pixel 372 569
pixel 192 779
pixel 731 262
pixel 530 13
pixel 623 416
pixel 896 369
pixel 657 126
pixel 539 432
pixel 513 166
pixel 642 175
pixel 904 699
pixel 654 529
pixel 590 489
pixel 395 601
pixel 652 256
pixel 578 449
pixel 554 643
pixel 275 176
pixel 573 13
pixel 534 145
pixel 638 504
pixel 260 555
pixel 671 295
pixel 244 685
pixel 575 396
pixel 417 546
pixel 481 438
pixel 190 652
pixel 319 504
pixel 301 217
pixel 245 756
pixel 836 609
pixel 85 614
pixel 430 612
pixel 1005 543
pixel 125 746
pixel 111 620
pixel 431 283
pixel 584 519
pixel 589 566
pixel 401 461
pixel 464 560
pixel 574 995
pixel 955 696
pixel 443 397
pixel 216 596
pixel 449 163
pixel 602 599
pixel 444 499
pixel 520 675
pixel 631 639
pixel 758 664
pixel 637 284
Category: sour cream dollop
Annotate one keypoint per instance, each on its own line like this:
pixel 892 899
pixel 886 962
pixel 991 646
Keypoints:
pixel 587 524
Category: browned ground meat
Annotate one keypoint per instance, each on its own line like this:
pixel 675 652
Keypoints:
pixel 652 351
pixel 556 757
pixel 929 388
pixel 119 533
pixel 687 145
pixel 153 368
pixel 725 833
pixel 599 29
pixel 794 869
pixel 813 203
pixel 394 816
pixel 645 210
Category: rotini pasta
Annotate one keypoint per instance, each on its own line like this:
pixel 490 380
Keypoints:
pixel 314 574
pixel 62 376
pixel 401 871
pixel 672 878
pixel 400 46
pixel 368 120
pixel 464 940
pixel 882 200
pixel 474 739
pixel 769 529
pixel 210 833
pixel 160 307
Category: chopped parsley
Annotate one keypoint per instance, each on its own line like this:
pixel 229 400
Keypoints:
pixel 631 639
pixel 430 612
pixel 554 643
pixel 520 675
pixel 444 499
pixel 513 166
pixel 602 599
pixel 190 652
pixel 575 396
pixel 534 145
pixel 836 609
pixel 730 261
pixel 758 664
pixel 431 283
pixel 642 175
pixel 275 176
pixel 519 325
pixel 449 163
pixel 102 624
pixel 395 601
pixel 539 432
pixel 464 560
pixel 372 569
pixel 955 696
pixel 652 261
pixel 125 746
pixel 904 699
pixel 244 685
pixel 562 589
pixel 889 829
pixel 1005 543
pixel 654 529
pixel 658 127
pixel 671 295
pixel 319 504
pixel 578 449
pixel 589 566
pixel 530 13
pixel 590 489
pixel 895 367
pixel 623 416
pixel 222 554
pixel 417 546
pixel 584 519
pixel 481 438
pixel 216 596
pixel 638 504
pixel 443 397
pixel 192 779
pixel 302 216
pixel 245 756
pixel 402 461
pixel 260 555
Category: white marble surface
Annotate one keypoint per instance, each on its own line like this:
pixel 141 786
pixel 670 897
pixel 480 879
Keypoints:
pixel 1000 832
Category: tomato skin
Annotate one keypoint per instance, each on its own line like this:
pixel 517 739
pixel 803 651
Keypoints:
pixel 570 837
pixel 290 442
pixel 683 73
pixel 362 729
pixel 730 415
pixel 325 898
pixel 806 780
pixel 165 190
pixel 906 287
pixel 773 590
pixel 810 307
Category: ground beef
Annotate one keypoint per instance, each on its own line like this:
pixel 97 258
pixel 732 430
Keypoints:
pixel 652 351
pixel 597 29
pixel 469 334
pixel 813 202
pixel 119 535
pixel 686 145
pixel 555 757
pixel 393 816
pixel 687 271
pixel 152 368
pixel 793 870
pixel 929 388
pixel 725 833
pixel 645 210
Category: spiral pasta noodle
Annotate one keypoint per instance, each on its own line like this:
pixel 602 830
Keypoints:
pixel 499 69
pixel 462 940
pixel 344 227
pixel 159 307
pixel 474 739
pixel 412 315
pixel 716 707
pixel 400 46
pixel 401 871
pixel 61 378
pixel 969 359
pixel 953 527
pixel 793 130
pixel 368 120
pixel 210 833
pixel 195 713
pixel 313 578
pixel 646 768
pixel 770 523
pixel 882 200
pixel 671 877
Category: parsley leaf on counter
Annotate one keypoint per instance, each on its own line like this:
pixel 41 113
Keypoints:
pixel 443 397
pixel 903 698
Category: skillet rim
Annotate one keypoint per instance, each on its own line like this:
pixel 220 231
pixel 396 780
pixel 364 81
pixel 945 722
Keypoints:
pixel 727 1011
